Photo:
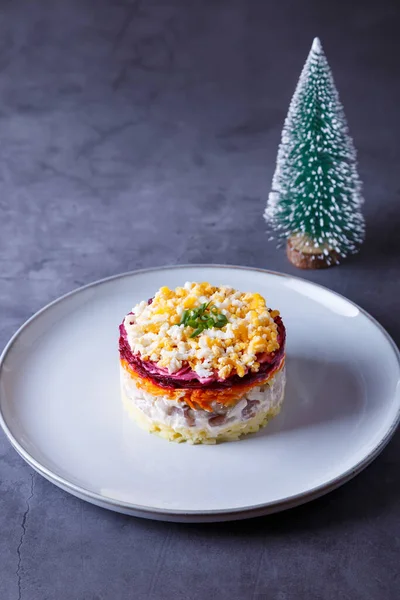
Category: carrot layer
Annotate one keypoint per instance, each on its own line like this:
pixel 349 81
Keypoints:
pixel 197 398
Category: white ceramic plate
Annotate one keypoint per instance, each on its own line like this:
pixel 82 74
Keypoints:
pixel 60 405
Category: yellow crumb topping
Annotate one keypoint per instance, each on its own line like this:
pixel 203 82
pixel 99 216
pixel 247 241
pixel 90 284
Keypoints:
pixel 157 333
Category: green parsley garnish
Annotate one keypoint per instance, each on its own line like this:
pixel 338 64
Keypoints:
pixel 204 317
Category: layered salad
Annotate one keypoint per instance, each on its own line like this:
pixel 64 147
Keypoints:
pixel 202 363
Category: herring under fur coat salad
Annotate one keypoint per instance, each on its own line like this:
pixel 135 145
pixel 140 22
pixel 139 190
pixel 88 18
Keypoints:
pixel 202 364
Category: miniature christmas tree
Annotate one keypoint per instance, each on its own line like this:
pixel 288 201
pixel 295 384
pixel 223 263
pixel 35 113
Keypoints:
pixel 316 193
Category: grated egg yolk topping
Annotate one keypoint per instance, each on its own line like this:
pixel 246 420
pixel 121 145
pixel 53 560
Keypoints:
pixel 155 331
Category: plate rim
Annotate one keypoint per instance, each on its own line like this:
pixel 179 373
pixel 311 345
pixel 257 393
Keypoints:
pixel 260 509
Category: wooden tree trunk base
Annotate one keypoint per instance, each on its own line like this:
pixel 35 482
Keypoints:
pixel 307 257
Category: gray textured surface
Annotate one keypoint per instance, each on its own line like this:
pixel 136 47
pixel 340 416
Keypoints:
pixel 144 133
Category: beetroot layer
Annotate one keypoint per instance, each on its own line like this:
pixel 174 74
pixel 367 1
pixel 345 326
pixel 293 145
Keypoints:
pixel 142 367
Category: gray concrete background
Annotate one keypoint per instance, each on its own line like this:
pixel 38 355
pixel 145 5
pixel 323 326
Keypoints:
pixel 144 133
